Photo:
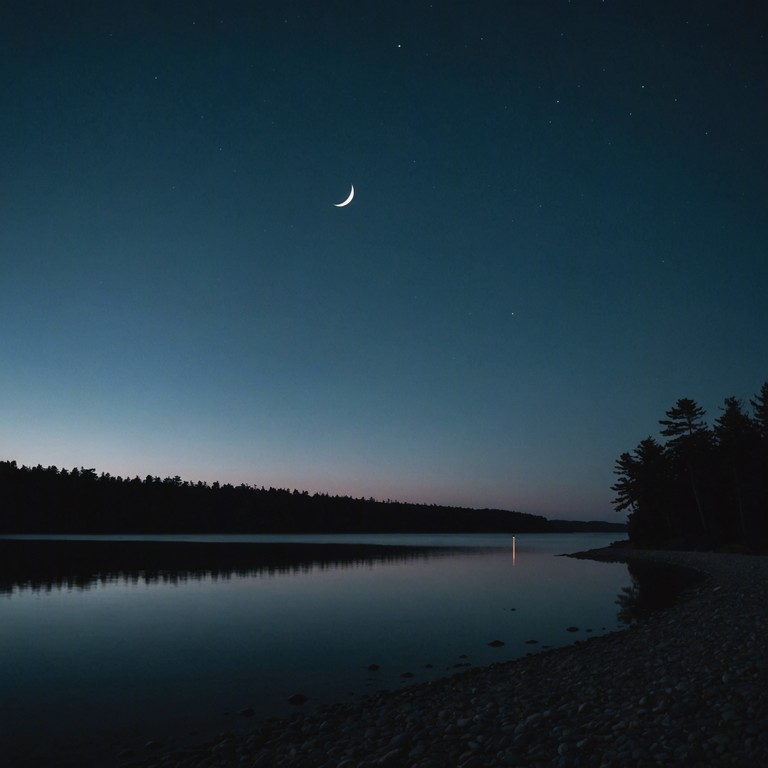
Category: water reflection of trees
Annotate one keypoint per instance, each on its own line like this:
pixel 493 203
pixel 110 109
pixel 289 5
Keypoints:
pixel 655 586
pixel 48 565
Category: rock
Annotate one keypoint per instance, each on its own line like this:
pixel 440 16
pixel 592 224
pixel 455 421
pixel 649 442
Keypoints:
pixel 407 674
pixel 496 643
pixel 571 629
pixel 531 642
pixel 247 712
pixel 297 699
pixel 391 758
pixel 373 667
pixel 418 750
pixel 263 757
pixel 153 745
pixel 398 741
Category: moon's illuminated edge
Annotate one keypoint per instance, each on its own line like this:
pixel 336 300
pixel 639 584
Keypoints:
pixel 349 199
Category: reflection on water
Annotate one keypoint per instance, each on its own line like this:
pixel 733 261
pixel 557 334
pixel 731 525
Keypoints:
pixel 107 645
pixel 57 564
pixel 654 587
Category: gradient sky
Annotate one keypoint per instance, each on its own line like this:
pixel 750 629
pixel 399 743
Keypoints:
pixel 560 227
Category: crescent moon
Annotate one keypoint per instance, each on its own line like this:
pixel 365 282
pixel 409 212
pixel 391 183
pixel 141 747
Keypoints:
pixel 349 199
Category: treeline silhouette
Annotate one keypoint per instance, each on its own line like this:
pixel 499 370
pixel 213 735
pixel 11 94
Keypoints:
pixel 703 486
pixel 49 500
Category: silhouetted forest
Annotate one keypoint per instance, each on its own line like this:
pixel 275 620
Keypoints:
pixel 49 500
pixel 703 486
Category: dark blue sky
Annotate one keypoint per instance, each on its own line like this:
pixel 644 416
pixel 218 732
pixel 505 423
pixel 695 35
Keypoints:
pixel 560 227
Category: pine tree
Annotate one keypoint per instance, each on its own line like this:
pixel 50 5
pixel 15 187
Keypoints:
pixel 688 444
pixel 736 436
pixel 760 410
pixel 760 407
pixel 643 488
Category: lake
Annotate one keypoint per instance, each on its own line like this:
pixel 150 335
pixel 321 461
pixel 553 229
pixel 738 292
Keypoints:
pixel 111 642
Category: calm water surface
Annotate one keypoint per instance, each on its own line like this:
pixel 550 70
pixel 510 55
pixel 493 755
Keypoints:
pixel 108 645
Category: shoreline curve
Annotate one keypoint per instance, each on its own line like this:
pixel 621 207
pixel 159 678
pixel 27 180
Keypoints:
pixel 688 686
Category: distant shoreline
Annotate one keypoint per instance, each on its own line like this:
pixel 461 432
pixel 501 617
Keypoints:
pixel 52 500
pixel 687 686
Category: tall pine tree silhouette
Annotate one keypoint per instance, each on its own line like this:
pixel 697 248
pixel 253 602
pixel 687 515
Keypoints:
pixel 688 444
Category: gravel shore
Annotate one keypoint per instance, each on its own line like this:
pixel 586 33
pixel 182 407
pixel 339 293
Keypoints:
pixel 686 687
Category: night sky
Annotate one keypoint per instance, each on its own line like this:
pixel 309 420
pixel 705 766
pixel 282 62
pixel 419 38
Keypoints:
pixel 560 227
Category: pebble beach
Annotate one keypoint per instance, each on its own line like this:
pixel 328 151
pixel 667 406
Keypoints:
pixel 688 686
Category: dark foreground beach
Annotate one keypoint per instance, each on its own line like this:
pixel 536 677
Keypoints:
pixel 686 687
